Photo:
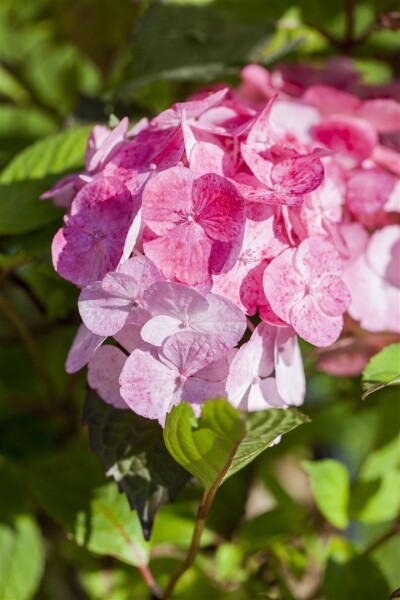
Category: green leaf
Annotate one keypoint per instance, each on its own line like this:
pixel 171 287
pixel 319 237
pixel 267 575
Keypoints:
pixel 357 578
pixel 376 501
pixel 70 487
pixel 21 559
pixel 132 451
pixel 383 369
pixel 222 441
pixel 54 155
pixel 330 486
pixel 195 43
pixel 20 207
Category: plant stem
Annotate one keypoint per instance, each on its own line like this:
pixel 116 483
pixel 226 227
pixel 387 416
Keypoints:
pixel 204 508
pixel 149 580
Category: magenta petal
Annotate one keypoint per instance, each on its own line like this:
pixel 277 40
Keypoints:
pixel 84 345
pixel 92 241
pixel 297 175
pixel 352 139
pixel 103 373
pixel 218 207
pixel 313 325
pixel 148 386
pixel 167 198
pixel 182 254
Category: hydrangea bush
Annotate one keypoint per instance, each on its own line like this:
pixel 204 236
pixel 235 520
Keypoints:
pixel 207 241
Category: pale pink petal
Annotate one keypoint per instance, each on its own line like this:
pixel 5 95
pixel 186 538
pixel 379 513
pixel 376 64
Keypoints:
pixel 104 370
pixel 329 100
pixel 189 352
pixel 260 166
pixel 103 313
pixel 382 113
pixel 315 257
pixel 383 254
pixel 182 254
pixel 289 370
pixel 218 207
pixel 148 386
pixel 263 395
pixel 175 300
pixel 283 286
pixel 158 328
pixel 84 345
pixel 129 338
pixel 167 199
pixel 387 158
pixel 313 325
pixel 196 391
pixel 259 134
pixel 143 271
pixel 332 295
pixel 222 318
pixel 216 371
pixel 132 236
pixel 107 147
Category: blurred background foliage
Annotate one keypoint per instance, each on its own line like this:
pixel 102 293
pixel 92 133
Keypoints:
pixel 312 518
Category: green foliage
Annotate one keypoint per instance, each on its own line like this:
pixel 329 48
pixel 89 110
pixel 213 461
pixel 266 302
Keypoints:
pixel 132 451
pixel 21 558
pixel 222 441
pixel 330 485
pixel 65 529
pixel 383 369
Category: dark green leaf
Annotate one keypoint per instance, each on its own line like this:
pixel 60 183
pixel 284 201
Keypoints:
pixel 195 43
pixel 132 451
pixel 70 487
pixel 222 441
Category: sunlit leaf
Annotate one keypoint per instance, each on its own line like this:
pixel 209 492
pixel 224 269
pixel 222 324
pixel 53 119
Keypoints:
pixel 222 441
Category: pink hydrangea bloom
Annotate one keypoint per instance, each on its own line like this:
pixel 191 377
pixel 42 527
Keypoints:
pixel 106 306
pixel 175 307
pixel 250 385
pixel 189 366
pixel 304 289
pixel 187 215
pixel 373 279
pixel 92 240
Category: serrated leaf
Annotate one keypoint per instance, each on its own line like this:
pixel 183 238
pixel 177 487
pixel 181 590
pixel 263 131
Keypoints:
pixel 21 558
pixel 223 440
pixel 382 370
pixel 53 155
pixel 330 486
pixel 133 452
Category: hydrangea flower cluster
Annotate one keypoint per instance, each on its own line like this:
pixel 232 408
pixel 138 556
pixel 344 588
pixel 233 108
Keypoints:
pixel 206 240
